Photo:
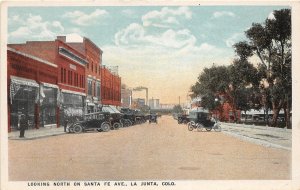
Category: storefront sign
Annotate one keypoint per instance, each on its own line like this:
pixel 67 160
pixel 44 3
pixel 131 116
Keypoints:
pixel 73 67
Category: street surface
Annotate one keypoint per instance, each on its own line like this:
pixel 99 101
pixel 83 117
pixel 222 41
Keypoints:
pixel 146 152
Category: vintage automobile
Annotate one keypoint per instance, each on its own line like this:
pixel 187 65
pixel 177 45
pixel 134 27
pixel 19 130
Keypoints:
pixel 116 116
pixel 99 121
pixel 182 118
pixel 140 117
pixel 153 118
pixel 200 119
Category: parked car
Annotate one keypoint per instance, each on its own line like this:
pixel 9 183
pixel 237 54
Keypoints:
pixel 99 121
pixel 116 116
pixel 200 119
pixel 183 118
pixel 153 118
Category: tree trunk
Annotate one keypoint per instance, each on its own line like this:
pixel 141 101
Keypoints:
pixel 275 116
pixel 287 116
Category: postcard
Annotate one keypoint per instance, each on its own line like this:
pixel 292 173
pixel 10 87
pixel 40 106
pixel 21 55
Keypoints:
pixel 149 95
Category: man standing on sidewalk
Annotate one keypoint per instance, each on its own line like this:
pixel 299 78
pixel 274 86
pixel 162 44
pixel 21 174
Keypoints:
pixel 23 125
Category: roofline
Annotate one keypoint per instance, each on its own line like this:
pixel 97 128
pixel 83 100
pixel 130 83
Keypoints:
pixel 32 57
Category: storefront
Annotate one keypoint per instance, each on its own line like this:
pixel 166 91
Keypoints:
pixel 24 94
pixel 48 104
pixel 72 105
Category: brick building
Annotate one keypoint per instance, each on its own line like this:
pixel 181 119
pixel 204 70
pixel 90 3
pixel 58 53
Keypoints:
pixel 103 83
pixel 63 78
pixel 110 87
pixel 28 77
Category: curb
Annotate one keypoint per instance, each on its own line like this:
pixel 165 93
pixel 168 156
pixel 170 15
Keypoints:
pixel 36 137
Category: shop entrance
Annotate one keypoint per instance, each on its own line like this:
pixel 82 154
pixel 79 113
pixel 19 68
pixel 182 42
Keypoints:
pixel 48 106
pixel 23 102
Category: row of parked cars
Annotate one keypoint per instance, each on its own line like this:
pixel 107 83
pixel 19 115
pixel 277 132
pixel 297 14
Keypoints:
pixel 109 118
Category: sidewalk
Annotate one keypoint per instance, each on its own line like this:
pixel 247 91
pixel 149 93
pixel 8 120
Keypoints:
pixel 37 133
pixel 262 135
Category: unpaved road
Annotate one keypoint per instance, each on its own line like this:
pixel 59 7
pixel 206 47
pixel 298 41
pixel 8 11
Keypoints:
pixel 145 152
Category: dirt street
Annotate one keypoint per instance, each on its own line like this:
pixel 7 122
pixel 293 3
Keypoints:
pixel 145 152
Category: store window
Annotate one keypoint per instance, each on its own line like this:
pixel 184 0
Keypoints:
pixel 48 104
pixel 98 90
pixel 90 87
pixel 72 107
pixel 23 96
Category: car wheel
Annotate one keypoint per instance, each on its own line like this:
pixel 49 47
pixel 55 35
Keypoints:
pixel 116 125
pixel 129 122
pixel 77 128
pixel 217 128
pixel 199 127
pixel 190 126
pixel 105 126
pixel 70 129
pixel 208 129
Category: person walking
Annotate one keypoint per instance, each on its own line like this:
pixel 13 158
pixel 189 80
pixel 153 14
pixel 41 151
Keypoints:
pixel 23 125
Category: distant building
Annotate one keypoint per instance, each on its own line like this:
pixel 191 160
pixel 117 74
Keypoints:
pixel 138 103
pixel 126 96
pixel 167 106
pixel 154 103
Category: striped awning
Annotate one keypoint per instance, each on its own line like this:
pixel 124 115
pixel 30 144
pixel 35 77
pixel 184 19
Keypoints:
pixel 49 85
pixel 24 81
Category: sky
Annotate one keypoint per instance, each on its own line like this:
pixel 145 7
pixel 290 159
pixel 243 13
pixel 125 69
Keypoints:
pixel 163 48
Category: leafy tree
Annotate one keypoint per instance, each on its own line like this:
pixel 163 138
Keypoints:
pixel 177 109
pixel 212 83
pixel 271 42
pixel 244 79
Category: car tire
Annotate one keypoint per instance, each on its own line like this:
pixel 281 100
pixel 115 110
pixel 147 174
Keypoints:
pixel 217 128
pixel 199 127
pixel 105 126
pixel 77 128
pixel 116 125
pixel 190 126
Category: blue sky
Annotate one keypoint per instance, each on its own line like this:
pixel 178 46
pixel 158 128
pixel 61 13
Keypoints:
pixel 161 47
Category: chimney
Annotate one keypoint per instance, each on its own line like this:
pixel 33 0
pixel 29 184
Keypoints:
pixel 62 38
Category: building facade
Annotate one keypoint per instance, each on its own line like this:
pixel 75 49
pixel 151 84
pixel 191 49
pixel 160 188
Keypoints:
pixel 61 81
pixel 28 78
pixel 110 87
pixel 126 96
pixel 154 103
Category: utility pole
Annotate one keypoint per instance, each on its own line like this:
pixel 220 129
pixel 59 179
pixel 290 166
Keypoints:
pixel 179 100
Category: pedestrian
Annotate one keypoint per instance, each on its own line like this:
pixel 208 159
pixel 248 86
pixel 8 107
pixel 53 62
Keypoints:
pixel 23 125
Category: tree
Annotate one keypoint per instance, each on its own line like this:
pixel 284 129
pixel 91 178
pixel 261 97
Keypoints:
pixel 244 79
pixel 177 109
pixel 211 83
pixel 271 43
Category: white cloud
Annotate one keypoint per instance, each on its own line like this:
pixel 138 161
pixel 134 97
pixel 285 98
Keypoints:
pixel 271 16
pixel 83 19
pixel 136 35
pixel 166 17
pixel 234 39
pixel 222 14
pixel 34 28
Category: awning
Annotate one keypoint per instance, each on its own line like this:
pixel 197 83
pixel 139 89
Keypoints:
pixel 49 85
pixel 110 109
pixel 24 81
pixel 73 92
pixel 114 108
